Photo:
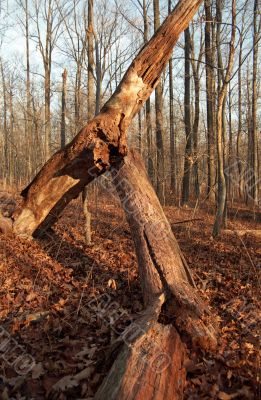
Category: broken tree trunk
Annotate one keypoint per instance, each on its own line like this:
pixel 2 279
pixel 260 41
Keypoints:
pixel 103 140
pixel 149 364
pixel 150 360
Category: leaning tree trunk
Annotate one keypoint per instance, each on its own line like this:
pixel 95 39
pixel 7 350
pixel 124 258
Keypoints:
pixel 148 348
pixel 102 141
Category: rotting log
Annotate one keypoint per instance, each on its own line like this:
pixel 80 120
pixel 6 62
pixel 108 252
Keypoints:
pixel 102 142
pixel 150 354
pixel 243 232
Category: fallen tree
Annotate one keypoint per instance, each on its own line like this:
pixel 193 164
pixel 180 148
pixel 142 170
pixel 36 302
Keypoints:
pixel 242 232
pixel 102 142
pixel 174 314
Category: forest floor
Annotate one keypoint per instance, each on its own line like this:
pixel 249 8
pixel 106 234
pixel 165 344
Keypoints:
pixel 54 333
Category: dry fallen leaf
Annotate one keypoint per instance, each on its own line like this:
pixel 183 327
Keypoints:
pixel 112 284
pixel 37 370
pixel 84 374
pixel 65 383
pixel 31 296
pixel 224 396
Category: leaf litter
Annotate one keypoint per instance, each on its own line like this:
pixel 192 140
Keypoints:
pixel 48 284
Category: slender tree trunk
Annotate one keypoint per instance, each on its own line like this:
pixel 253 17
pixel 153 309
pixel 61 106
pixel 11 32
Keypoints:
pixel 230 156
pixel 64 95
pixel 187 119
pixel 12 148
pixel 196 77
pixel 47 84
pixel 239 128
pixel 253 192
pixel 78 98
pixel 222 189
pixel 90 114
pixel 6 145
pixel 98 78
pixel 209 58
pixel 28 119
pixel 159 121
pixel 173 161
pixel 195 134
pixel 173 156
pixel 140 132
pixel 90 55
pixel 148 107
pixel 47 113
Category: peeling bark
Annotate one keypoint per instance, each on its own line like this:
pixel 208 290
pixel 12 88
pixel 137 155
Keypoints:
pixel 136 373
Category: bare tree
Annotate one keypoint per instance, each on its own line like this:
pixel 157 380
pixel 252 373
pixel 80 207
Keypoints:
pixel 6 146
pixel 28 119
pixel 148 105
pixel 160 171
pixel 222 188
pixel 187 120
pixel 47 14
pixel 173 161
pixel 253 192
pixel 90 111
pixel 210 87
pixel 63 116
pixel 195 63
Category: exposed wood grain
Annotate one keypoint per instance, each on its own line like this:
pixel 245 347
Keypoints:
pixel 102 142
pixel 151 368
pixel 162 267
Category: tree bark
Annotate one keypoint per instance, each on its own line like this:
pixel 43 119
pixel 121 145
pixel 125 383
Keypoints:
pixel 173 155
pixel 102 142
pixel 148 107
pixel 135 376
pixel 173 161
pixel 187 120
pixel 63 125
pixel 28 119
pixel 160 170
pixel 47 84
pixel 166 284
pixel 6 146
pixel 209 58
pixel 253 190
pixel 90 113
pixel 239 129
pixel 222 186
pixel 90 54
pixel 196 69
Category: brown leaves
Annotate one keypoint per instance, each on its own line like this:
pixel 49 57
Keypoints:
pixel 245 391
pixel 46 286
